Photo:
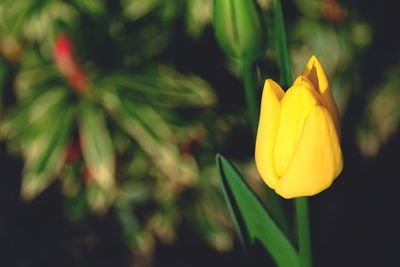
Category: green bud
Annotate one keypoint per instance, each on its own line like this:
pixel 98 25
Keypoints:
pixel 240 28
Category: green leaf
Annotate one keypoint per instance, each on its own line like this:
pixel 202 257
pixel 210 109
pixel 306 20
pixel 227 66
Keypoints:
pixel 3 75
pixel 45 153
pixel 27 121
pixel 133 233
pixel 197 15
pixel 36 78
pixel 91 7
pixel 35 20
pixel 283 50
pixel 98 153
pixel 153 134
pixel 136 9
pixel 253 222
pixel 165 87
pixel 205 214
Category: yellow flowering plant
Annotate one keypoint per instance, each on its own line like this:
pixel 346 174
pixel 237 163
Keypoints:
pixel 298 140
pixel 297 153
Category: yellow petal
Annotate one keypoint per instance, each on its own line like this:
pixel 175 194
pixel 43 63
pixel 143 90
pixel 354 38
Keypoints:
pixel 317 75
pixel 295 107
pixel 266 133
pixel 317 160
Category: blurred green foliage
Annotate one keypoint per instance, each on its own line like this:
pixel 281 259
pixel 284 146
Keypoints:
pixel 95 109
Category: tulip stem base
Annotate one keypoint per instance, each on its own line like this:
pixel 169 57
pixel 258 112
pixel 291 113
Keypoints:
pixel 303 231
pixel 251 94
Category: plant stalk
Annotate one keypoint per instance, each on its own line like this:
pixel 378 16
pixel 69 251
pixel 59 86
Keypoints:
pixel 282 46
pixel 303 231
pixel 248 70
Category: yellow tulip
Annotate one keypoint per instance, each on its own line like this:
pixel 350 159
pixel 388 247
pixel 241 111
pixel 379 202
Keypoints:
pixel 298 140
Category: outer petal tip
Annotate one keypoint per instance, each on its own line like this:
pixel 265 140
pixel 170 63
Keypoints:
pixel 271 87
pixel 316 73
pixel 304 82
pixel 266 133
pixel 313 58
pixel 313 62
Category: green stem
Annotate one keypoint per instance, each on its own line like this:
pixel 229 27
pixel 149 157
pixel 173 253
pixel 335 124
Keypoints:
pixel 282 46
pixel 251 96
pixel 303 231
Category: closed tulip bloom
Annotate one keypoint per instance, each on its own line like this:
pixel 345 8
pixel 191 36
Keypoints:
pixel 240 28
pixel 298 140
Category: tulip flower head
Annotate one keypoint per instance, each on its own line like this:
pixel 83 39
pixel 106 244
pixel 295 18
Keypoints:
pixel 298 140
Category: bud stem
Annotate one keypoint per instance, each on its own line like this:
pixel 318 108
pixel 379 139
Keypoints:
pixel 303 231
pixel 251 97
pixel 282 46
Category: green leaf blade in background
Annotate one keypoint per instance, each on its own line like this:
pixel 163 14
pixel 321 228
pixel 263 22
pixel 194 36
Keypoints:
pixel 153 135
pixel 3 76
pixel 98 153
pixel 45 154
pixel 166 87
pixel 253 222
